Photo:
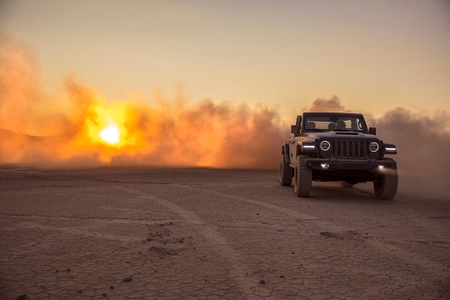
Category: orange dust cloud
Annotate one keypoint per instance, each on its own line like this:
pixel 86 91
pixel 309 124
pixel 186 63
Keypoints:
pixel 204 134
pixel 83 129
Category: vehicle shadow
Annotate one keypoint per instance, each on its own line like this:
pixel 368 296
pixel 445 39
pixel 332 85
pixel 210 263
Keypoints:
pixel 333 191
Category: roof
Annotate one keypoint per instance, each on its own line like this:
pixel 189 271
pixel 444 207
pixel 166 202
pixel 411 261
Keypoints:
pixel 331 113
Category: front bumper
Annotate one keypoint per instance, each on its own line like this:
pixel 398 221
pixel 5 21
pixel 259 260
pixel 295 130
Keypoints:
pixel 328 164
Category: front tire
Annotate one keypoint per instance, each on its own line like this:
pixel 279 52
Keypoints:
pixel 286 172
pixel 302 178
pixel 386 185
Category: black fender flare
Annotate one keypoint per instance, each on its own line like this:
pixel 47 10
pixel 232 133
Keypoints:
pixel 286 153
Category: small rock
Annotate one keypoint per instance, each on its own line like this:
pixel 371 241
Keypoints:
pixel 262 281
pixel 80 291
pixel 111 287
pixel 127 279
pixel 327 234
pixel 22 297
pixel 68 270
pixel 281 276
pixel 104 295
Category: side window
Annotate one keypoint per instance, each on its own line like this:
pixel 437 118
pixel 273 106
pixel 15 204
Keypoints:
pixel 360 125
pixel 356 124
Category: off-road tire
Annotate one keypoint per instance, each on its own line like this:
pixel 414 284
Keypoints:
pixel 302 178
pixel 286 172
pixel 346 184
pixel 385 186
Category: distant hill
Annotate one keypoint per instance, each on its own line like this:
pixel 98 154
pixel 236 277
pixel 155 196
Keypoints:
pixel 11 135
pixel 6 134
pixel 16 147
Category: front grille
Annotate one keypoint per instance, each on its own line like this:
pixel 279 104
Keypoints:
pixel 350 149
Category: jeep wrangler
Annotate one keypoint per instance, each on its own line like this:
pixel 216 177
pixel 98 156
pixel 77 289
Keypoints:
pixel 331 146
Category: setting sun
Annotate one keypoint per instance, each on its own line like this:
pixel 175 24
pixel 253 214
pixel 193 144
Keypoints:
pixel 106 124
pixel 110 134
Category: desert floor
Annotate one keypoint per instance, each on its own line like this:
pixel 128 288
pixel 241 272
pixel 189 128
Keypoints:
pixel 155 233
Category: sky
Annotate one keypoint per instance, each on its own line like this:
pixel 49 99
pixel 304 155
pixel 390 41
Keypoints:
pixel 373 55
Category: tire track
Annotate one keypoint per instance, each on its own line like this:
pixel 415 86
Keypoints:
pixel 289 212
pixel 400 253
pixel 240 272
pixel 141 221
pixel 81 231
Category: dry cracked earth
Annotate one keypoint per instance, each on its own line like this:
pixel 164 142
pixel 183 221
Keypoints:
pixel 143 233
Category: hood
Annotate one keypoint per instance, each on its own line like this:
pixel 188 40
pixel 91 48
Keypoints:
pixel 340 135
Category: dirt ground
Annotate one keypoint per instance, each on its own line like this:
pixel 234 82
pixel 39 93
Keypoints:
pixel 143 233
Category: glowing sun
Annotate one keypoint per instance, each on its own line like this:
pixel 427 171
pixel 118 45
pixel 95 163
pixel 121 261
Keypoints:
pixel 110 134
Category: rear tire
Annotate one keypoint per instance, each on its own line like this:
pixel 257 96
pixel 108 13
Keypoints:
pixel 386 185
pixel 286 172
pixel 302 178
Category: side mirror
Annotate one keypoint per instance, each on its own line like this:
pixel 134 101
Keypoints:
pixel 295 129
pixel 372 130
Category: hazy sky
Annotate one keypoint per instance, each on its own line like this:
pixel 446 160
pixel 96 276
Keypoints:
pixel 374 55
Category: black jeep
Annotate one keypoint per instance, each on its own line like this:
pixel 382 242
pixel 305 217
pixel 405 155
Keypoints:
pixel 330 146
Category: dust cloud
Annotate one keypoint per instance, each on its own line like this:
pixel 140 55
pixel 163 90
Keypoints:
pixel 423 143
pixel 333 104
pixel 63 131
pixel 171 133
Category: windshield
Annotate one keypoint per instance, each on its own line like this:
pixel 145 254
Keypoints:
pixel 324 122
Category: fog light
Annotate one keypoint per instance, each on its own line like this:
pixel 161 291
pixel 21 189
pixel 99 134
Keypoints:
pixel 324 166
pixel 380 168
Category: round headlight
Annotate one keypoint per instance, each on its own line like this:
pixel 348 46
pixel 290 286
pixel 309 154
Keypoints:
pixel 374 147
pixel 325 145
